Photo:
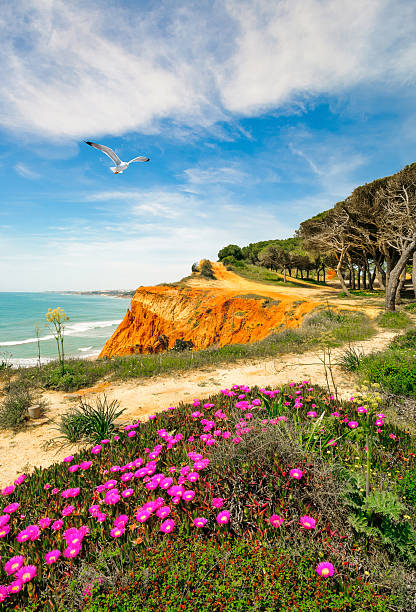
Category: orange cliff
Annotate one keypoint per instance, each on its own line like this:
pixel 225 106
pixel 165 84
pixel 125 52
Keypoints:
pixel 227 310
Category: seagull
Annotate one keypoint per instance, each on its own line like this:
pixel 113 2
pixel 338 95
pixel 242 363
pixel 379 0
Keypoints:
pixel 120 165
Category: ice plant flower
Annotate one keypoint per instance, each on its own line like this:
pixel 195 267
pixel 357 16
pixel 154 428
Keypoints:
pixel 311 414
pixel 276 520
pixel 3 593
pixel 14 564
pixel 352 424
pixel 199 521
pixel 72 551
pixel 307 522
pixel 188 495
pixel 15 586
pixel 325 569
pixel 68 459
pixel 67 511
pixel 117 532
pixel 11 508
pixel 296 474
pixel 44 522
pixel 223 517
pixel 217 502
pixel 26 573
pixel 52 556
pixel 57 525
pixel 167 526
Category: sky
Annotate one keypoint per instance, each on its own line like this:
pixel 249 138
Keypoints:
pixel 256 115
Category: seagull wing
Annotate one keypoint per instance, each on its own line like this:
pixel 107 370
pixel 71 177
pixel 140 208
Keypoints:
pixel 105 150
pixel 143 159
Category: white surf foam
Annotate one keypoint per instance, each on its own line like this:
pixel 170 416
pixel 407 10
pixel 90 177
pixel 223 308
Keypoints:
pixel 73 329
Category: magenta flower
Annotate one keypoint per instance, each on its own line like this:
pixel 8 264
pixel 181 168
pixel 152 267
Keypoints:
pixel 68 459
pixel 361 410
pixel 142 516
pixel 67 510
pixel 117 532
pixel 379 422
pixel 4 531
pixel 188 495
pixel 4 593
pixel 72 551
pixel 276 520
pixel 192 476
pixel 73 468
pixel 22 536
pixel 223 517
pixel 295 473
pixel 33 531
pixel 94 510
pixel 14 564
pixel 85 465
pixel 52 556
pixel 26 573
pixel 199 521
pixel 331 442
pixel 57 525
pixel 8 490
pixel 307 522
pixel 96 449
pixel 11 508
pixel 127 493
pixel 4 518
pixel 352 424
pixel 15 586
pixel 55 491
pixel 217 502
pixel 167 526
pixel 311 413
pixel 44 522
pixel 325 569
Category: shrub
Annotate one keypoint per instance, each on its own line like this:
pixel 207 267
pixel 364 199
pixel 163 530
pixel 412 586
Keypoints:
pixel 13 412
pixel 411 307
pixel 205 269
pixel 349 360
pixel 394 320
pixel 90 423
pixel 404 341
pixel 394 370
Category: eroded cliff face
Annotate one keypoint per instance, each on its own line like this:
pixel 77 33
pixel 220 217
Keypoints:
pixel 206 312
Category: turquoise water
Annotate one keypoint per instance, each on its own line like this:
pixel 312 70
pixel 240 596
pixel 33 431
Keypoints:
pixel 92 320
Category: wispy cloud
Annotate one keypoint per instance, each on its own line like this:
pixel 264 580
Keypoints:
pixel 26 172
pixel 74 70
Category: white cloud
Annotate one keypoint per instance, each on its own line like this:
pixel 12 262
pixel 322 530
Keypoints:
pixel 26 172
pixel 211 176
pixel 76 70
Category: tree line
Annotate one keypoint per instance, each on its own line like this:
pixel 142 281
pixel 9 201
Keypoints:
pixel 370 235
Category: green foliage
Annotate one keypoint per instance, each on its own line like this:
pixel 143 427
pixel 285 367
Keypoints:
pixel 404 341
pixel 394 370
pixel 182 345
pixel 411 307
pixel 232 250
pixel 380 517
pixel 193 575
pixel 349 360
pixel 394 320
pixel 89 423
pixel 13 411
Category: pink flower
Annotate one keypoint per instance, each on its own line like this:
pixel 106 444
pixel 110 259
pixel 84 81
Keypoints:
pixel 44 522
pixel 94 510
pixel 127 493
pixel 14 564
pixel 11 508
pixel 55 491
pixel 167 526
pixel 3 593
pixel 73 468
pixel 392 436
pixel 15 586
pixel 142 516
pixel 33 531
pixel 352 424
pixel 335 414
pixel 22 536
pixel 4 518
pixel 361 410
pixel 188 495
pixel 52 556
pixel 276 520
pixel 223 517
pixel 47 486
pixel 325 569
pixel 311 413
pixel 217 502
pixel 85 465
pixel 163 511
pixel 295 473
pixel 332 442
pixel 8 490
pixel 68 459
pixel 67 510
pixel 282 418
pixel 199 521
pixel 72 551
pixel 307 522
pixel 379 422
pixel 117 532
pixel 26 573
pixel 57 525
pixel 131 434
pixel 96 449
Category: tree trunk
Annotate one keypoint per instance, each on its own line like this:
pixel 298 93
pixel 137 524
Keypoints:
pixel 365 277
pixel 358 278
pixel 323 272
pixel 340 277
pixel 414 272
pixel 394 276
pixel 400 286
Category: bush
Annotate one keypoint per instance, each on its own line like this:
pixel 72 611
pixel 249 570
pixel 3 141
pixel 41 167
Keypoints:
pixel 88 423
pixel 13 412
pixel 394 370
pixel 411 307
pixel 394 320
pixel 349 361
pixel 205 269
pixel 404 341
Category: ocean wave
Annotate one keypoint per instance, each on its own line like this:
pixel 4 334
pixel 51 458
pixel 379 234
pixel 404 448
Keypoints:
pixel 27 362
pixel 72 329
pixel 85 348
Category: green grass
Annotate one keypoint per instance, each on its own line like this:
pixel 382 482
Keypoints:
pixel 261 275
pixel 394 320
pixel 321 327
pixel 411 307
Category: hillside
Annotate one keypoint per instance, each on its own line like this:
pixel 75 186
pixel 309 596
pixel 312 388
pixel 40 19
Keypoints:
pixel 227 310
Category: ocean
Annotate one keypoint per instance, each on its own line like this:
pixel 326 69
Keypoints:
pixel 92 320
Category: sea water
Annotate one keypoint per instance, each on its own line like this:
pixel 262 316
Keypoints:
pixel 92 320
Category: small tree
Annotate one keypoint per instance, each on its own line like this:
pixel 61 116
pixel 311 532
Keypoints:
pixel 205 269
pixel 56 319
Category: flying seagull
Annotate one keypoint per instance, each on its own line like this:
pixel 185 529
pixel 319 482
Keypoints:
pixel 120 165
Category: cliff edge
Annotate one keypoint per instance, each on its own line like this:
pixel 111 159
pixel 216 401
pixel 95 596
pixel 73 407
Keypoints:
pixel 226 310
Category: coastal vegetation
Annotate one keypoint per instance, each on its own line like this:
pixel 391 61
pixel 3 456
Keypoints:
pixel 269 499
pixel 56 319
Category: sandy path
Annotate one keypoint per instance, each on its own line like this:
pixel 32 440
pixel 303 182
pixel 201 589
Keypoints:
pixel 21 452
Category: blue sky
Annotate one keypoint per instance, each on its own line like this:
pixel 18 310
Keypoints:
pixel 256 114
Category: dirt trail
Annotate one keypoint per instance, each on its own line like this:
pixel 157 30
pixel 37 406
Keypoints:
pixel 21 452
